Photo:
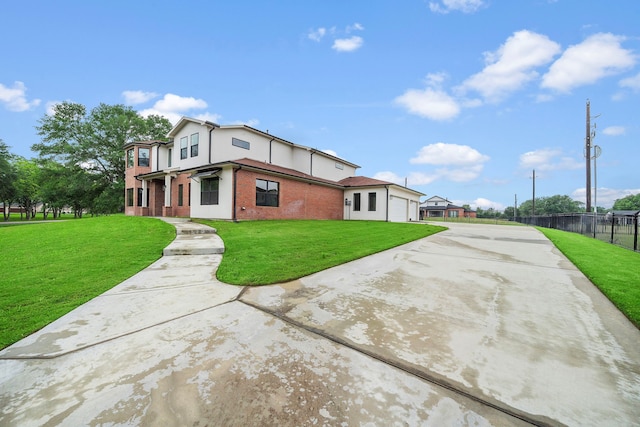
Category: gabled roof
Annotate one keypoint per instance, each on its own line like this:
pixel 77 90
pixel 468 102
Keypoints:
pixel 186 120
pixel 269 167
pixel 363 181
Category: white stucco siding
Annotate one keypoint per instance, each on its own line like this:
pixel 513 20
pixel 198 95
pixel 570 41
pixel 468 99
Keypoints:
pixel 331 168
pixel 238 143
pixel 380 212
pixel 203 147
pixel 224 208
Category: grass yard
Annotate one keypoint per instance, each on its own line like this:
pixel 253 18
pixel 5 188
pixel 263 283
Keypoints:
pixel 48 269
pixel 614 270
pixel 265 252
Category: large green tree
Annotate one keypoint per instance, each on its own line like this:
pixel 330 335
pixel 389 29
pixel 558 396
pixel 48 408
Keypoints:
pixel 631 203
pixel 551 205
pixel 94 141
pixel 8 176
pixel 27 185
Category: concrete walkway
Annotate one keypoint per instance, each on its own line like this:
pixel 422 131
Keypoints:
pixel 479 325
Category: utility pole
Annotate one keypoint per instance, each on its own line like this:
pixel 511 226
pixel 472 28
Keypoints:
pixel 533 205
pixel 587 155
pixel 515 207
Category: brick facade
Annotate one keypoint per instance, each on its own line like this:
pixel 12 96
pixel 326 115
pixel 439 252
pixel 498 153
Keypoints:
pixel 297 199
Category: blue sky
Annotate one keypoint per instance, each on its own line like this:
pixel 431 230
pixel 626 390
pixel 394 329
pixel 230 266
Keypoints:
pixel 461 98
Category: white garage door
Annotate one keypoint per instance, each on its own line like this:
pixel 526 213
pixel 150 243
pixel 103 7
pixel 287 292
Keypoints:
pixel 413 211
pixel 398 209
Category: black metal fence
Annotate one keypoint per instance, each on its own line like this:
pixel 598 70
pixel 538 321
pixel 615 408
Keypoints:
pixel 617 228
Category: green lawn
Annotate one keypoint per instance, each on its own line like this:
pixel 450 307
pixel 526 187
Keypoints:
pixel 614 270
pixel 265 252
pixel 48 269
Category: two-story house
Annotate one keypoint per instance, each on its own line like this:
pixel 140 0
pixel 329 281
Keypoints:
pixel 236 172
pixel 439 207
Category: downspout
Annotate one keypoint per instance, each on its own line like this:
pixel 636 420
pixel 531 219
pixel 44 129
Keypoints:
pixel 210 132
pixel 235 179
pixel 311 162
pixel 270 149
pixel 387 187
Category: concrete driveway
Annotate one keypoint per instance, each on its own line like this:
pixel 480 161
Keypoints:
pixel 479 325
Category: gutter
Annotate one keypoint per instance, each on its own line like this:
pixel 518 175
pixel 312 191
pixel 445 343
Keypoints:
pixel 270 149
pixel 387 187
pixel 313 151
pixel 210 142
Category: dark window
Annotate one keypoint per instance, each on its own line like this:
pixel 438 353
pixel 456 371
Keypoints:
pixel 130 158
pixel 240 143
pixel 140 193
pixel 183 147
pixel 266 193
pixel 169 158
pixel 180 194
pixel 143 157
pixel 194 144
pixel 209 191
pixel 356 201
pixel 372 201
pixel 189 195
pixel 129 196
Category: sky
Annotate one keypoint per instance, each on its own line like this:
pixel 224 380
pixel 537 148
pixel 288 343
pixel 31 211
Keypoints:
pixel 462 99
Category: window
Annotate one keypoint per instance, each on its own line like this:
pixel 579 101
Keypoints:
pixel 130 158
pixel 194 144
pixel 453 214
pixel 180 194
pixel 169 158
pixel 240 143
pixel 209 191
pixel 356 201
pixel 143 157
pixel 140 193
pixel 372 201
pixel 339 166
pixel 266 193
pixel 189 195
pixel 183 147
pixel 129 196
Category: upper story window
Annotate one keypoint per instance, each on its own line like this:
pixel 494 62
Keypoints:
pixel 183 147
pixel 143 157
pixel 240 143
pixel 267 193
pixel 170 152
pixel 372 201
pixel 130 158
pixel 194 144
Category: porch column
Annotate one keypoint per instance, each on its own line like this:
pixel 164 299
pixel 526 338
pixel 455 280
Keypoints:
pixel 144 193
pixel 167 190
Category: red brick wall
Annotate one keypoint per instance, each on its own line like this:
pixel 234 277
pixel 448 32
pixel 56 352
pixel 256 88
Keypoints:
pixel 185 209
pixel 131 182
pixel 297 200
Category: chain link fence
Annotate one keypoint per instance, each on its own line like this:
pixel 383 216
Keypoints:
pixel 618 227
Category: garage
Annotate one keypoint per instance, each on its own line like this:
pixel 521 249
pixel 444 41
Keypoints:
pixel 398 209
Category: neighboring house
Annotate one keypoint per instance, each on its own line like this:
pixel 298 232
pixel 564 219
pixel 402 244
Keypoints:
pixel 438 207
pixel 237 172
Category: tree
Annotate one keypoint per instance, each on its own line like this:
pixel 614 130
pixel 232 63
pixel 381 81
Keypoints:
pixel 95 141
pixel 8 176
pixel 630 203
pixel 551 205
pixel 26 185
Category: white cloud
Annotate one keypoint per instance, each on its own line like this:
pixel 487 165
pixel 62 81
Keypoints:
pixel 548 159
pixel 348 45
pixel 15 98
pixel 465 6
pixel 430 103
pixel 353 27
pixel 449 154
pixel 485 204
pixel 413 178
pixel 173 107
pixel 210 117
pixel 631 82
pixel 389 176
pixel 606 197
pixel 330 152
pixel 318 34
pixel 512 65
pixel 133 97
pixel 614 130
pixel 599 56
